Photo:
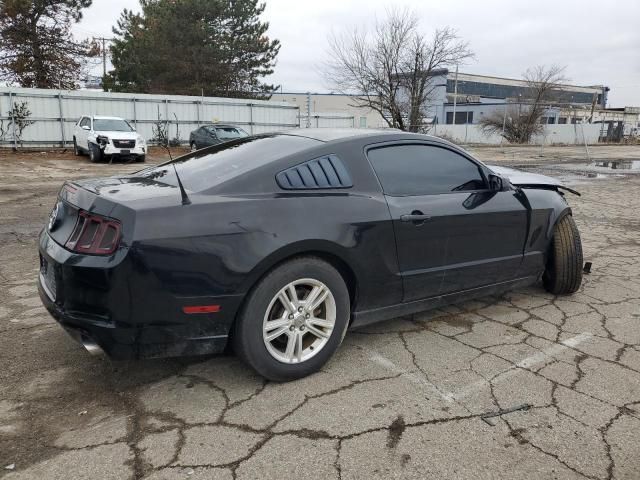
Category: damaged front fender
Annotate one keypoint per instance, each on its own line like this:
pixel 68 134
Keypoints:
pixel 530 180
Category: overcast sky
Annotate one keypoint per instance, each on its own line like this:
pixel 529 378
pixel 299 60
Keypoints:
pixel 599 42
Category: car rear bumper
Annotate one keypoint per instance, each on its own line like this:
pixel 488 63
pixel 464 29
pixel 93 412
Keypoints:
pixel 108 308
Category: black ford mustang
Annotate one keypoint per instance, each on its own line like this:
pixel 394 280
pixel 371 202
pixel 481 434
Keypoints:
pixel 279 242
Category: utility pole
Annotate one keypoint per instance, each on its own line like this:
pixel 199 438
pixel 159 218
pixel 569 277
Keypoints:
pixel 455 96
pixel 104 57
pixel 104 53
pixel 504 122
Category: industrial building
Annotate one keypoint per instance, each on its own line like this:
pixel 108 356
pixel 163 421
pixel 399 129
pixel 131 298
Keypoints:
pixel 473 96
pixel 331 110
pixel 470 96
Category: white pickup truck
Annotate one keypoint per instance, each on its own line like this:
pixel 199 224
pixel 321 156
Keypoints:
pixel 108 138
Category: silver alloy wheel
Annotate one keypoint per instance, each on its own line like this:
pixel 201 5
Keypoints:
pixel 299 321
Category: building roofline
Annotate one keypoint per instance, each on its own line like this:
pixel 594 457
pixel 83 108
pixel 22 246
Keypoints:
pixel 520 82
pixel 330 94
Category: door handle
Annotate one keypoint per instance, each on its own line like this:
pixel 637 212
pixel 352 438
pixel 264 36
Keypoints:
pixel 416 217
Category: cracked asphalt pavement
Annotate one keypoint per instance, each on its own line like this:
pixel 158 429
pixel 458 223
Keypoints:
pixel 401 399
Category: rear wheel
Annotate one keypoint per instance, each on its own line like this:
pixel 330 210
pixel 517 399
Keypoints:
pixel 193 146
pixel 95 154
pixel 293 320
pixel 76 150
pixel 563 273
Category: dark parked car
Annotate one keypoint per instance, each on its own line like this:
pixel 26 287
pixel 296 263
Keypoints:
pixel 278 243
pixel 214 134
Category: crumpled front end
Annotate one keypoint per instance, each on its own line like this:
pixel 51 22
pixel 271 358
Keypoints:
pixel 530 180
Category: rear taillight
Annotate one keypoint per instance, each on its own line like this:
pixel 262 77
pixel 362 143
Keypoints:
pixel 94 234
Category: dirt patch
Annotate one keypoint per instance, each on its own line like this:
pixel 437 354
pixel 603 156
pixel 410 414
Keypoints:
pixel 155 154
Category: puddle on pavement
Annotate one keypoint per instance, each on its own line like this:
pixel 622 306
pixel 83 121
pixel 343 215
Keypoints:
pixel 576 173
pixel 633 165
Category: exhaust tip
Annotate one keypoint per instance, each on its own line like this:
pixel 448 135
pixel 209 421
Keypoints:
pixel 92 347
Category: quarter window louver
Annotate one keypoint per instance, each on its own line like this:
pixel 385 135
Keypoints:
pixel 323 172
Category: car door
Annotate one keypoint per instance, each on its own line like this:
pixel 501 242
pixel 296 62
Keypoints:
pixel 209 136
pixel 82 133
pixel 452 232
pixel 197 137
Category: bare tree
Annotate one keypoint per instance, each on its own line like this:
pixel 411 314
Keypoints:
pixel 522 121
pixel 19 120
pixel 392 69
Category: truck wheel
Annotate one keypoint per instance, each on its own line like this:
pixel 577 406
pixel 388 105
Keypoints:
pixel 141 158
pixel 563 273
pixel 293 320
pixel 95 154
pixel 76 150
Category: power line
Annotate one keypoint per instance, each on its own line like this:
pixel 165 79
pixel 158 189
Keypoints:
pixel 90 33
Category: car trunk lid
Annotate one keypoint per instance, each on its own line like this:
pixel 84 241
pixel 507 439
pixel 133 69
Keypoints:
pixel 113 197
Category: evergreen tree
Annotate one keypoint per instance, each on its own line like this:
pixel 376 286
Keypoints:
pixel 218 47
pixel 37 48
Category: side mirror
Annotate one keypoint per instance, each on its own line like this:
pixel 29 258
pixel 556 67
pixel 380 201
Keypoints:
pixel 85 127
pixel 495 183
pixel 476 199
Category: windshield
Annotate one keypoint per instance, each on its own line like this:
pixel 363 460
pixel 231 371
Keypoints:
pixel 215 165
pixel 227 133
pixel 111 125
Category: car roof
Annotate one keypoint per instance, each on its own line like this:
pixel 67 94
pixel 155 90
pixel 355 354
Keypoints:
pixel 221 125
pixel 336 134
pixel 102 117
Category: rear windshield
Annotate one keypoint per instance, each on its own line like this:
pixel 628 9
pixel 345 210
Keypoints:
pixel 215 165
pixel 227 133
pixel 111 125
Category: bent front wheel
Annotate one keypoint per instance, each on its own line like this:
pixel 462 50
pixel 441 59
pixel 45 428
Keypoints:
pixel 563 273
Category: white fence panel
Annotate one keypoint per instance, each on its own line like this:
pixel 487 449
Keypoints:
pixel 55 113
pixel 574 134
pixel 328 120
pixel 467 133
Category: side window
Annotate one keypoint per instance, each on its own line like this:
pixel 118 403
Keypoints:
pixel 424 170
pixel 84 122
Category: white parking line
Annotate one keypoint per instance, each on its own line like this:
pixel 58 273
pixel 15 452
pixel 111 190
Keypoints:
pixel 527 363
pixel 473 387
pixel 412 377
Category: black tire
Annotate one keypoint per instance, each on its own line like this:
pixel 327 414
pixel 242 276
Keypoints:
pixel 193 146
pixel 563 273
pixel 95 154
pixel 247 335
pixel 76 150
pixel 141 158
